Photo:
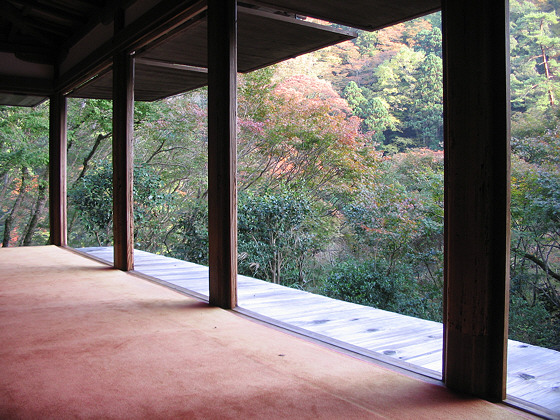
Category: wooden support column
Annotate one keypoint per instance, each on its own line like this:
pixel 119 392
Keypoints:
pixel 222 152
pixel 123 114
pixel 477 193
pixel 57 170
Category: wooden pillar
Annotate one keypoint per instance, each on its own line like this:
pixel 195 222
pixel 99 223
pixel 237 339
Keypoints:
pixel 123 114
pixel 57 170
pixel 477 179
pixel 222 152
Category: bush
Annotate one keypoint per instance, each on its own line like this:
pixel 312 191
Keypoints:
pixel 92 197
pixel 371 283
pixel 532 323
pixel 279 233
pixel 190 233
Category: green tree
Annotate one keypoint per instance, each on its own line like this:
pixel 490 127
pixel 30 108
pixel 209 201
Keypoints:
pixel 354 96
pixel 188 237
pixel 23 174
pixel 92 196
pixel 367 42
pixel 172 142
pixel 429 41
pixel 398 216
pixel 279 232
pixel 426 110
pixel 373 110
pixel 420 110
pixel 535 216
pixel 535 47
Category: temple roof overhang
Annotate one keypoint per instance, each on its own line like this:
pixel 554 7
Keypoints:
pixel 49 46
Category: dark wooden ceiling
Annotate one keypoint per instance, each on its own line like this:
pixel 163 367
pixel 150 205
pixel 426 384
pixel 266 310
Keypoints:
pixel 42 32
pixel 362 14
pixel 178 62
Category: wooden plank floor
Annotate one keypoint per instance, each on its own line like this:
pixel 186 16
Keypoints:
pixel 533 372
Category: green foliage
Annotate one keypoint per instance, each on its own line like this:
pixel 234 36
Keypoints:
pixel 255 91
pixel 92 196
pixel 188 239
pixel 429 41
pixel 398 217
pixel 354 96
pixel 278 232
pixel 535 212
pixel 374 111
pixel 400 121
pixel 367 42
pixel 23 138
pixel 535 47
pixel 420 112
pixel 375 283
pixel 23 174
pixel 88 118
pixel 532 323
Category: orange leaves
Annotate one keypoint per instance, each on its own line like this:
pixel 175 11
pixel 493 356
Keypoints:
pixel 315 92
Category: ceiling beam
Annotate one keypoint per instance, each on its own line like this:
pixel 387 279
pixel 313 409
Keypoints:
pixel 26 85
pixel 62 15
pixel 167 65
pixel 294 20
pixel 370 15
pixel 161 19
pixel 14 48
pixel 18 19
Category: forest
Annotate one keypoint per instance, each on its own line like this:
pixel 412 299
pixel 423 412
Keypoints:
pixel 340 172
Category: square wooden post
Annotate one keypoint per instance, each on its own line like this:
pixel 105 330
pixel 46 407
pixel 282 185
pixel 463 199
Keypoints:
pixel 477 194
pixel 222 152
pixel 123 115
pixel 57 170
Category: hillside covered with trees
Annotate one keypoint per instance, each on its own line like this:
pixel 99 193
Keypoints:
pixel 340 172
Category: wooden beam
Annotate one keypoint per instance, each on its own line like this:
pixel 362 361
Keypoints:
pixel 123 114
pixel 362 14
pixel 26 85
pixel 57 170
pixel 477 179
pixel 158 21
pixel 222 153
pixel 17 18
pixel 166 65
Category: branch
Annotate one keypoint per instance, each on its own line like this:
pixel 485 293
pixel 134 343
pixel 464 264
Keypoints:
pixel 543 265
pixel 88 158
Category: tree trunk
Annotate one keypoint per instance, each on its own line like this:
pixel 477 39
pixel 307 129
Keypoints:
pixel 37 213
pixel 547 70
pixel 9 222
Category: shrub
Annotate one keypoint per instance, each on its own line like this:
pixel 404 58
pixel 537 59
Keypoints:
pixel 371 283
